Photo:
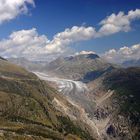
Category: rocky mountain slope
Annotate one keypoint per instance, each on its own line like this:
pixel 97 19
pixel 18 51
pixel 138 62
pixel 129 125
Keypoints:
pixel 112 102
pixel 79 67
pixel 27 110
pixel 117 110
pixel 107 107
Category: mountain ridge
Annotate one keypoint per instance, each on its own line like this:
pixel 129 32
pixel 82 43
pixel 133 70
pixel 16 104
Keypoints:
pixel 27 111
pixel 110 105
pixel 76 67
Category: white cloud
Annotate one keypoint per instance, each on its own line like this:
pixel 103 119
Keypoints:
pixel 63 39
pixel 110 25
pixel 85 52
pixel 28 43
pixel 9 9
pixel 123 54
pixel 116 23
pixel 23 43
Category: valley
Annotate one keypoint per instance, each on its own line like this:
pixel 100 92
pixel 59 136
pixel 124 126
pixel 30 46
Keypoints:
pixel 95 94
pixel 69 70
pixel 28 111
pixel 76 93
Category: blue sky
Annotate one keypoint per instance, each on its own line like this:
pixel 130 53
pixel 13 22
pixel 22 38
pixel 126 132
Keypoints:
pixel 50 17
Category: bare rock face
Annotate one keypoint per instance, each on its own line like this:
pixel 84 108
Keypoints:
pixel 117 113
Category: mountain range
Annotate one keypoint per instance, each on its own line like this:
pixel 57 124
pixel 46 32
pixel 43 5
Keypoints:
pixel 83 67
pixel 28 111
pixel 102 97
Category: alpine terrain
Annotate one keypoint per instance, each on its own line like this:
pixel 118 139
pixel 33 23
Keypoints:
pixel 105 95
pixel 31 109
pixel 69 69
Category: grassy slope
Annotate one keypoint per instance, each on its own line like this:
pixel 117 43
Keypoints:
pixel 26 110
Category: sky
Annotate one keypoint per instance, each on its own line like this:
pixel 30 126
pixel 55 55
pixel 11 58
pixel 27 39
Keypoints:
pixel 39 29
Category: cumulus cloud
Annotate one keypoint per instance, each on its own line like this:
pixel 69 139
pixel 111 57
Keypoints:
pixel 23 43
pixel 116 23
pixel 28 43
pixel 9 9
pixel 63 39
pixel 123 54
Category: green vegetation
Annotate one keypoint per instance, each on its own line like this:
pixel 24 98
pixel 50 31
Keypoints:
pixel 70 127
pixel 126 83
pixel 26 109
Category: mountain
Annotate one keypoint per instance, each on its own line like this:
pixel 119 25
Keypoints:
pixel 117 109
pixel 79 67
pixel 111 100
pixel 131 63
pixel 28 108
pixel 29 65
pixel 105 107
